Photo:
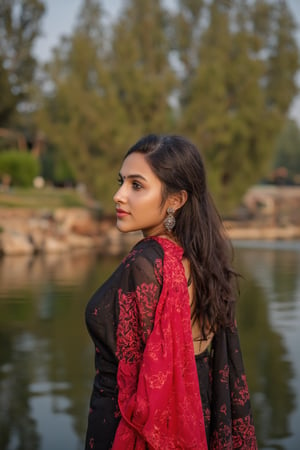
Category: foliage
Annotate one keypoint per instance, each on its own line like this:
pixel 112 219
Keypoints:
pixel 104 100
pixel 220 72
pixel 19 28
pixel 140 66
pixel 21 167
pixel 238 86
pixel 287 150
pixel 55 167
pixel 82 113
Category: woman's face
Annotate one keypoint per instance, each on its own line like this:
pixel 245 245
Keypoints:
pixel 138 200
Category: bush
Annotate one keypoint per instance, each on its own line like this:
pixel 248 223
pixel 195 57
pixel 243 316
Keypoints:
pixel 56 169
pixel 21 167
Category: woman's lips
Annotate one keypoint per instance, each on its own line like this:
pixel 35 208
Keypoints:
pixel 121 213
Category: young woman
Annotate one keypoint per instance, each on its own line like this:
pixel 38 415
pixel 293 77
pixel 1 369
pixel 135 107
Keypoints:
pixel 169 370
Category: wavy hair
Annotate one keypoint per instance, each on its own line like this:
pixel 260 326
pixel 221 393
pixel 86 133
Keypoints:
pixel 199 230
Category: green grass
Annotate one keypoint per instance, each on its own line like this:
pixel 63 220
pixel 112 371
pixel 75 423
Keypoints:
pixel 47 197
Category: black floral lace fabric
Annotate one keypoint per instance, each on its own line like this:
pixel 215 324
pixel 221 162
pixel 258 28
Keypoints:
pixel 128 301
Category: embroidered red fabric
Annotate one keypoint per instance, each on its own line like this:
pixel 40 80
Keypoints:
pixel 159 395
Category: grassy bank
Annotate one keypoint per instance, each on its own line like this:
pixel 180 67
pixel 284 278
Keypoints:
pixel 47 197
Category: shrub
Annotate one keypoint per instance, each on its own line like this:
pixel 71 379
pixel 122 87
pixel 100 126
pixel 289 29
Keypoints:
pixel 22 167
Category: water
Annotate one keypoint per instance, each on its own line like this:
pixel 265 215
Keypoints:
pixel 46 357
pixel 269 317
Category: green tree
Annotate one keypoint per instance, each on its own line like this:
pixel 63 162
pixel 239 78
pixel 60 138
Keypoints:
pixel 8 100
pixel 81 116
pixel 283 60
pixel 107 90
pixel 228 102
pixel 210 70
pixel 141 69
pixel 287 149
pixel 20 22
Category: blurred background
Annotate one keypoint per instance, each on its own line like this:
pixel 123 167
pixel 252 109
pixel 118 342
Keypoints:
pixel 80 82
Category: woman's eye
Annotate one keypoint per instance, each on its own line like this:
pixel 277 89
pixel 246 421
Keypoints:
pixel 120 181
pixel 136 185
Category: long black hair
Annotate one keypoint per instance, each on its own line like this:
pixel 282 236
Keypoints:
pixel 178 164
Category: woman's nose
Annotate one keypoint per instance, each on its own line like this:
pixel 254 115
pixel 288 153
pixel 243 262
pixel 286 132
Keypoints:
pixel 119 196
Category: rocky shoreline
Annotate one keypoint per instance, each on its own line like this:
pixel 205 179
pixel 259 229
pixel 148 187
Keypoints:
pixel 25 231
pixel 254 230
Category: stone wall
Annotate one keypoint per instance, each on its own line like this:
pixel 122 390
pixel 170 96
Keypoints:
pixel 25 231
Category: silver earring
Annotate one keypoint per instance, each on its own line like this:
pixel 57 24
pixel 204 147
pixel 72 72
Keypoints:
pixel 170 221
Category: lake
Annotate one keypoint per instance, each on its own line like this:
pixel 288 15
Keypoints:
pixel 46 356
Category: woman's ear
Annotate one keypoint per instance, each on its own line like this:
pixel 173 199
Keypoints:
pixel 177 200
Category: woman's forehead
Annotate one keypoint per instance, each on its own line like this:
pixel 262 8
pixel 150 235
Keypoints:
pixel 136 164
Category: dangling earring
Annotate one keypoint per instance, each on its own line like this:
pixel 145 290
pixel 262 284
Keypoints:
pixel 170 221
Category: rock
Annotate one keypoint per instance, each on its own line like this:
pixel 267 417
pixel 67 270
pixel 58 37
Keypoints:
pixel 37 238
pixel 77 220
pixel 15 243
pixel 78 241
pixel 54 245
pixel 39 223
pixel 258 232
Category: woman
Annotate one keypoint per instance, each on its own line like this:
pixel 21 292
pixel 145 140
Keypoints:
pixel 169 371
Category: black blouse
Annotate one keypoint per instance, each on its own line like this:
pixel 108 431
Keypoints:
pixel 141 267
pixel 223 387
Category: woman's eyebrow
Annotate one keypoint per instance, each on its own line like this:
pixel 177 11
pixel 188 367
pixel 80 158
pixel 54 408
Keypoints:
pixel 132 176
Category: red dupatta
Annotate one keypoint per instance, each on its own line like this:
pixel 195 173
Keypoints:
pixel 159 396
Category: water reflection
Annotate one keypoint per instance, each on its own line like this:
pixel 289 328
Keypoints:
pixel 46 357
pixel 268 312
pixel 30 271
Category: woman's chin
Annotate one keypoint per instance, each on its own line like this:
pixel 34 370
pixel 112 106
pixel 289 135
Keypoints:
pixel 122 227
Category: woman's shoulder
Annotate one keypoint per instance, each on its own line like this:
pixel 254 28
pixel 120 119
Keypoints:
pixel 144 261
pixel 152 249
pixel 148 248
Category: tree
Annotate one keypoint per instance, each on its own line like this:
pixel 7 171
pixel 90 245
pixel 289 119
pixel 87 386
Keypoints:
pixel 210 70
pixel 8 100
pixel 283 61
pixel 19 28
pixel 141 69
pixel 229 105
pixel 81 114
pixel 107 90
pixel 287 150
